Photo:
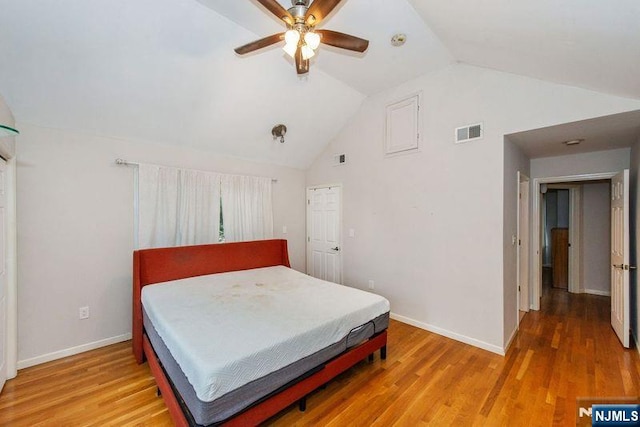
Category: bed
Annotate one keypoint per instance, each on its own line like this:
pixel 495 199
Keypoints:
pixel 233 335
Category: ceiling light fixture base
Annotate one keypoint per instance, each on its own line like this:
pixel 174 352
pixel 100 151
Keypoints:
pixel 279 131
pixel 574 141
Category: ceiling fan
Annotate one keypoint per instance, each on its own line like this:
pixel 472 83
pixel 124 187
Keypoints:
pixel 302 38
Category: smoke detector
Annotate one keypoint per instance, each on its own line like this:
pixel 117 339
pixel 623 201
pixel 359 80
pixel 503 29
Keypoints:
pixel 398 39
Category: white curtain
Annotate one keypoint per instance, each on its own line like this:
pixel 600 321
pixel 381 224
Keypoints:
pixel 247 210
pixel 177 206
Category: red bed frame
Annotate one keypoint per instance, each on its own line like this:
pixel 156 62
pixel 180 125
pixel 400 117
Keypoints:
pixel 160 265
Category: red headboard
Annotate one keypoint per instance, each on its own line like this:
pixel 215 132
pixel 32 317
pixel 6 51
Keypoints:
pixel 161 265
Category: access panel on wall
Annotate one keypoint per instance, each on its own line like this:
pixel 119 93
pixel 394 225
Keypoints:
pixel 402 125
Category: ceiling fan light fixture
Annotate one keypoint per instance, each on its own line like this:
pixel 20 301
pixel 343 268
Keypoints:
pixel 312 39
pixel 291 49
pixel 301 37
pixel 292 37
pixel 307 52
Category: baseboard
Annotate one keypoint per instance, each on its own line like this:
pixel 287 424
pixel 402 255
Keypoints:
pixel 71 351
pixel 597 292
pixel 449 334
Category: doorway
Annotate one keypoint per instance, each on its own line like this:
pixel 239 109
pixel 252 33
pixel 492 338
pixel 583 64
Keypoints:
pixel 556 236
pixel 612 265
pixel 577 271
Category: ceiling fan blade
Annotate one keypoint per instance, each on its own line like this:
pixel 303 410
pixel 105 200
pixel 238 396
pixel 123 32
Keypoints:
pixel 302 65
pixel 318 10
pixel 259 44
pixel 343 41
pixel 274 7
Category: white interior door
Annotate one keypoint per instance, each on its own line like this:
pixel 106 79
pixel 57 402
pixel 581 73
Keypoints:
pixel 523 244
pixel 620 256
pixel 323 233
pixel 3 274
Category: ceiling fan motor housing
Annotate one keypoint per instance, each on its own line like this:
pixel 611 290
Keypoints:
pixel 298 12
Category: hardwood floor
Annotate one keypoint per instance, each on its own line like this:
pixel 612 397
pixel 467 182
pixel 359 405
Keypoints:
pixel 565 351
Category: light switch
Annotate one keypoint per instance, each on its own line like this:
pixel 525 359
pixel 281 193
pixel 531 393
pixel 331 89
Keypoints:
pixel 284 229
pixel 352 232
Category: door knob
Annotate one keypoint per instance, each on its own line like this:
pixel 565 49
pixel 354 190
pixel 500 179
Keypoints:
pixel 335 249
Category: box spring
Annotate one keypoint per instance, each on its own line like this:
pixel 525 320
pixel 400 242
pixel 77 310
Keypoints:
pixel 218 410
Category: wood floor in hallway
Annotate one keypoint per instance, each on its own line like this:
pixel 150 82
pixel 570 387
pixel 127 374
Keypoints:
pixel 565 351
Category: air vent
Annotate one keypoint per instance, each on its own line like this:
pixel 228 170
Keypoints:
pixel 468 133
pixel 339 159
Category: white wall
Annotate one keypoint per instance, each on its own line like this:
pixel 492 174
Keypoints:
pixel 429 226
pixel 75 232
pixel 596 238
pixel 578 164
pixel 514 160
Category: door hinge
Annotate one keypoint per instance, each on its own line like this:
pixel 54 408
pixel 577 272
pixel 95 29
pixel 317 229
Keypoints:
pixel 518 288
pixel 519 242
pixel 308 239
pixel 308 201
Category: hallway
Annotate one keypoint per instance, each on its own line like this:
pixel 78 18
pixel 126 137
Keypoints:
pixel 574 352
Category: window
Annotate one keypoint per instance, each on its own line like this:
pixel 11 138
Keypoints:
pixel 188 207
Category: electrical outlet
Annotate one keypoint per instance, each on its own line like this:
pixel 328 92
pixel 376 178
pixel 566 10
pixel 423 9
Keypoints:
pixel 371 284
pixel 83 312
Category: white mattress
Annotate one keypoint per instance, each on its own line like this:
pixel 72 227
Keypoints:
pixel 225 330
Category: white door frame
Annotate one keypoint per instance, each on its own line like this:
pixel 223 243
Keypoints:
pixel 524 237
pixel 536 269
pixel 12 270
pixel 340 236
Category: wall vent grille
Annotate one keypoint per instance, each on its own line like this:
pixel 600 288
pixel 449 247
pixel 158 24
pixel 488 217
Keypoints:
pixel 469 133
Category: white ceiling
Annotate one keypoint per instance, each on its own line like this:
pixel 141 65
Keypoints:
pixel 593 44
pixel 602 133
pixel 165 70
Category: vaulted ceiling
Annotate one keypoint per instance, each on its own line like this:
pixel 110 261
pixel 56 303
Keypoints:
pixel 165 70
